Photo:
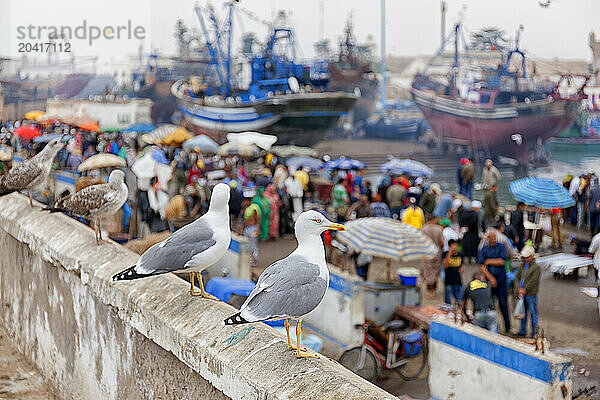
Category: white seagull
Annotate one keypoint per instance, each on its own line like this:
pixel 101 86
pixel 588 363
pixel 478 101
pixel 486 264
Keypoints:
pixel 192 248
pixel 96 201
pixel 294 286
pixel 32 172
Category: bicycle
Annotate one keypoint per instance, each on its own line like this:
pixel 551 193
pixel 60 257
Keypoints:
pixel 405 352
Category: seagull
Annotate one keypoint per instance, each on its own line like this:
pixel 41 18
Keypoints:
pixel 294 286
pixel 96 201
pixel 32 172
pixel 192 248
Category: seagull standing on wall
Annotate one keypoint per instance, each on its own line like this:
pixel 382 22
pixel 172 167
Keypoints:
pixel 31 173
pixel 96 201
pixel 294 286
pixel 192 248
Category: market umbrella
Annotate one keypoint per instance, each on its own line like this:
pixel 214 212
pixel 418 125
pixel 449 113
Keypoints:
pixel 291 150
pixel 33 115
pixel 387 238
pixel 299 162
pixel 176 137
pixel 27 131
pixel 259 139
pixel 104 160
pixel 201 144
pixel 344 163
pixel 157 135
pixel 140 128
pixel 407 166
pixel 540 192
pixel 238 149
pixel 47 138
pixel 46 119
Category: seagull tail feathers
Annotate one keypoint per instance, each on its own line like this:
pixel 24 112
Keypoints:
pixel 128 274
pixel 235 319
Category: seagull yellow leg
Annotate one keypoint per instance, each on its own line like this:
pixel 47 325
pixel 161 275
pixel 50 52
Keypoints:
pixel 193 290
pixel 202 291
pixel 286 323
pixel 301 351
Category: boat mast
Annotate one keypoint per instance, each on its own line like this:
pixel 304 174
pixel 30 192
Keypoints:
pixel 455 65
pixel 383 80
pixel 211 49
pixel 228 60
pixel 443 22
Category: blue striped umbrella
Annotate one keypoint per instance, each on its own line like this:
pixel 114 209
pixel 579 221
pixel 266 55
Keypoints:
pixel 344 163
pixel 407 166
pixel 540 192
pixel 202 144
pixel 299 162
pixel 387 238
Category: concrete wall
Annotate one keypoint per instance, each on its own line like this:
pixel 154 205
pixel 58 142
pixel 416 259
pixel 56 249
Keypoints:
pixel 146 339
pixel 469 363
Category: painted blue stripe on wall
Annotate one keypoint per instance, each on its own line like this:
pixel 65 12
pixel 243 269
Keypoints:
pixel 343 285
pixel 497 354
pixel 234 246
pixel 66 179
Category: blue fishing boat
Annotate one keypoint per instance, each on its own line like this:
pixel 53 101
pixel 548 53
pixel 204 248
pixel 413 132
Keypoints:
pixel 271 92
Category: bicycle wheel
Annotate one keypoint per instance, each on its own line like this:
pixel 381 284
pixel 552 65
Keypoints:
pixel 415 365
pixel 351 359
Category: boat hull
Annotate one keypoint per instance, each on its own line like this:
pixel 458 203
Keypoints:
pixel 492 128
pixel 302 118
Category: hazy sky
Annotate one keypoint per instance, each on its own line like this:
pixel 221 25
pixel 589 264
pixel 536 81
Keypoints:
pixel 412 26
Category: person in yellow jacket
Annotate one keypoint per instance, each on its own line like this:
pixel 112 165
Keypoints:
pixel 413 214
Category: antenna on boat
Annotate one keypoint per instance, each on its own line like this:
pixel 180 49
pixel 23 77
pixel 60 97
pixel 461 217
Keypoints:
pixel 443 22
pixel 383 80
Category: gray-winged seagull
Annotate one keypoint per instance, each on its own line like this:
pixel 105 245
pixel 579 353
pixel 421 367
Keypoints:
pixel 192 248
pixel 96 201
pixel 294 286
pixel 32 172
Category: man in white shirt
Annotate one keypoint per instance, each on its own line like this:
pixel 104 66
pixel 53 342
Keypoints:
pixel 295 190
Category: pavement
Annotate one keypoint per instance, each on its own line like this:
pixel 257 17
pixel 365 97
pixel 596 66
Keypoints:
pixel 19 380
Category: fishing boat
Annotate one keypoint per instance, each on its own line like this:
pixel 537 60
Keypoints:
pixel 501 111
pixel 399 121
pixel 351 72
pixel 280 96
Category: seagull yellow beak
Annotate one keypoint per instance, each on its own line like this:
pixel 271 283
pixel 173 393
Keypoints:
pixel 336 227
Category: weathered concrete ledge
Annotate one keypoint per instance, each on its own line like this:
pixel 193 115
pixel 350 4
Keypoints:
pixel 95 339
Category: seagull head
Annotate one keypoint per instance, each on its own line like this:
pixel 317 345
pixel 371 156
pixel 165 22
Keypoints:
pixel 116 178
pixel 315 223
pixel 219 199
pixel 54 146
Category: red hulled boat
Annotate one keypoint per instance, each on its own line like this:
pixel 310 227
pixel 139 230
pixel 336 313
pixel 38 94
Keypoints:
pixel 500 112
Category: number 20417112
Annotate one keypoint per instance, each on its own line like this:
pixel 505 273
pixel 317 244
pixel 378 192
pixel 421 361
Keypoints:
pixel 44 47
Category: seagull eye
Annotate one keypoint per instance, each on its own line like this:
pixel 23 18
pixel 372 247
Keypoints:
pixel 318 221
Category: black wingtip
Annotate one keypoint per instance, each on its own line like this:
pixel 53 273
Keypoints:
pixel 52 209
pixel 127 275
pixel 235 319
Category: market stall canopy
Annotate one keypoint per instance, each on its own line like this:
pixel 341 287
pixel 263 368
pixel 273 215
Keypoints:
pixel 238 149
pixel 299 162
pixel 157 135
pixel 110 129
pixel 147 167
pixel 101 161
pixel 387 238
pixel 407 166
pixel 82 122
pixel 344 163
pixel 177 137
pixel 47 119
pixel 253 138
pixel 140 128
pixel 291 150
pixel 541 192
pixel 27 131
pixel 34 114
pixel 47 138
pixel 201 144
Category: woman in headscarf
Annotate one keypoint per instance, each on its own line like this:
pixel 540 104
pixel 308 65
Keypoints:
pixel 265 212
pixel 275 204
